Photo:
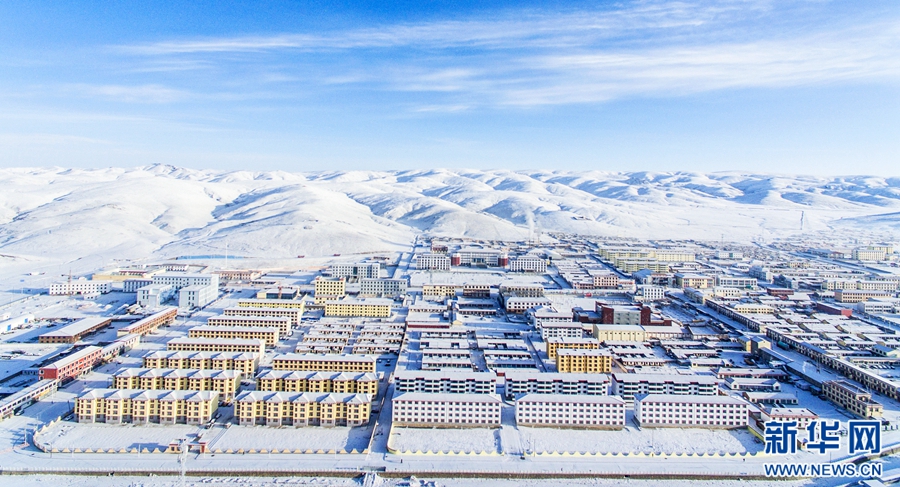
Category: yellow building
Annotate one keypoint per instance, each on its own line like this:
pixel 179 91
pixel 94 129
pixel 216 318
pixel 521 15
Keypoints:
pixel 225 382
pixel 265 333
pixel 283 323
pixel 216 345
pixel 138 406
pixel 438 291
pixel 272 303
pixel 299 381
pixel 245 362
pixel 619 333
pixel 294 314
pixel 583 361
pixel 329 289
pixel 302 409
pixel 367 308
pixel 555 344
pixel 323 363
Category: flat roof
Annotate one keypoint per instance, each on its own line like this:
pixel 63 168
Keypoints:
pixel 430 397
pixel 689 399
pixel 79 327
pixel 570 399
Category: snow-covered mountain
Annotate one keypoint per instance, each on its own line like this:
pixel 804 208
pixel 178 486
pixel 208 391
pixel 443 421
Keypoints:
pixel 65 214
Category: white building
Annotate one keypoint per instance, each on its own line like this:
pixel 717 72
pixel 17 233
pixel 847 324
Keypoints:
pixel 179 280
pixel 197 296
pixel 132 285
pixel 520 305
pixel 678 411
pixel 570 329
pixel 520 383
pixel 630 385
pixel 567 411
pixel 382 287
pixel 528 263
pixel 80 286
pixel 651 293
pixel 153 295
pixel 735 281
pixel 436 262
pixel 368 270
pixel 445 382
pixel 446 410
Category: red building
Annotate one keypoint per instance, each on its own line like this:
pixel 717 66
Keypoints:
pixel 72 365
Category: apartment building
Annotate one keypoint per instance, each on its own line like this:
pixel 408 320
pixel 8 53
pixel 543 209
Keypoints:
pixel 434 262
pixel 80 286
pixel 418 409
pixel 619 333
pixel 382 287
pixel 180 280
pixel 852 398
pixel 528 263
pixel 479 257
pixel 606 280
pixel 272 303
pixel 561 329
pixel 154 295
pixel 74 332
pixel 519 383
pixel 149 323
pixel 266 333
pixel 197 296
pixel 857 295
pixel 570 411
pixel 521 290
pixel 301 381
pixel 329 289
pixel 522 304
pixel 72 365
pixel 138 406
pixel 581 361
pixel 217 345
pixel 362 308
pixel 132 285
pixel 736 281
pixel 323 362
pixel 696 281
pixel 368 270
pixel 302 409
pixel 293 314
pixel 555 344
pixel 681 411
pixel 226 382
pixel 246 363
pixel 438 292
pixel 281 323
pixel 445 382
pixel 630 385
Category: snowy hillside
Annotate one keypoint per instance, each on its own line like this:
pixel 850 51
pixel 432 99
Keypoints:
pixel 53 214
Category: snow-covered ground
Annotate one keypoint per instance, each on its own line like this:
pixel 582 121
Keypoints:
pixel 71 435
pixel 446 439
pixel 628 440
pixel 301 438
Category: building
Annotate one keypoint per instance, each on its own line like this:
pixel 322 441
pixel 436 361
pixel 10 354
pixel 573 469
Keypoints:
pixel 648 292
pixel 132 285
pixel 517 304
pixel 266 333
pixel 619 333
pixel 216 345
pixel 856 296
pixel 302 409
pixel 521 291
pixel 281 323
pixel 802 416
pixel 681 411
pixel 623 315
pixel 438 292
pixel 570 411
pixel 154 295
pixel 561 329
pixel 74 332
pixel 245 362
pixel 555 344
pixel 696 281
pixel 434 262
pixel 417 409
pixel 149 323
pixel 323 362
pixel 476 291
pixel 272 303
pixel 583 361
pixel 445 382
pixel 238 275
pixel 605 280
pixel 179 280
pixel 80 286
pixel 382 287
pixel 226 382
pixel 519 383
pixel 852 398
pixel 736 281
pixel 197 296
pixel 871 255
pixel 478 257
pixel 628 386
pixel 329 289
pixel 528 263
pixel 280 293
pixel 367 307
pixel 138 406
pixel 72 365
pixel 301 381
pixel 294 314
pixel 367 270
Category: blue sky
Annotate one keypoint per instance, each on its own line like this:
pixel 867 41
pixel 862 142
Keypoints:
pixel 776 86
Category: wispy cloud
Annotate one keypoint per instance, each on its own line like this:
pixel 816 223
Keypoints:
pixel 131 94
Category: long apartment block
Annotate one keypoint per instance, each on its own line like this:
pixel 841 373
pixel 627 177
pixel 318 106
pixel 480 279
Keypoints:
pixel 217 345
pixel 138 406
pixel 293 314
pixel 630 385
pixel 268 334
pixel 323 362
pixel 521 383
pixel 419 409
pixel 272 303
pixel 570 411
pixel 852 398
pixel 300 381
pixel 226 382
pixel 556 344
pixel 574 361
pixel 242 361
pixel 302 409
pixel 150 323
pixel 681 411
pixel 445 382
pixel 283 323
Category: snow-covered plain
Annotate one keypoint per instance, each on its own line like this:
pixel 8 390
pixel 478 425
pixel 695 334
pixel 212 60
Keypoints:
pixel 58 219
